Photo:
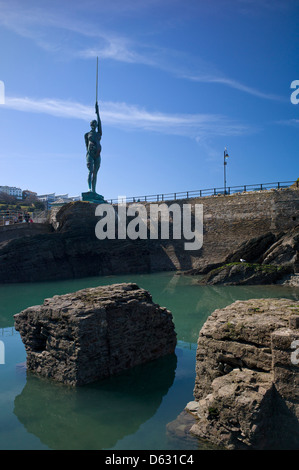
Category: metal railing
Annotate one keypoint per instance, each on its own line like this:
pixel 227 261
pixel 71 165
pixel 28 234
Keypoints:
pixel 209 192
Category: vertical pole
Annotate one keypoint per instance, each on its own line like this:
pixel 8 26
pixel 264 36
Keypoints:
pixel 224 165
pixel 97 79
pixel 225 155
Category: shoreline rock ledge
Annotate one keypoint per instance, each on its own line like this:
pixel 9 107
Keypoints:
pixel 91 334
pixel 246 393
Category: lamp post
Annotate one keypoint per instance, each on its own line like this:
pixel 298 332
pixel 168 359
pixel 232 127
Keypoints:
pixel 224 165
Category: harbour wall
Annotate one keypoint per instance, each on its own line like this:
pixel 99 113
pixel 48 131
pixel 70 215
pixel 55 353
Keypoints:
pixel 70 248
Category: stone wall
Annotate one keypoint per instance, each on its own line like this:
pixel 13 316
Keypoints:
pixel 73 250
pixel 10 232
pixel 228 221
pixel 231 220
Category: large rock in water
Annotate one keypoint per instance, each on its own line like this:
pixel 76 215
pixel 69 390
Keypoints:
pixel 247 376
pixel 94 333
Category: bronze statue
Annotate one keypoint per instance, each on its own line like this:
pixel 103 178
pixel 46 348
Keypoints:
pixel 93 150
pixel 93 153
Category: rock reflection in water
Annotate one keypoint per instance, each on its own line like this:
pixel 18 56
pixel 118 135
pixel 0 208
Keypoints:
pixel 94 416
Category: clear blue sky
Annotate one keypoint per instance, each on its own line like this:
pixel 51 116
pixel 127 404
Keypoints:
pixel 179 80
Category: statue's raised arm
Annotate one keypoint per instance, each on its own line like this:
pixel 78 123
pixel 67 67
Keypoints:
pixel 99 119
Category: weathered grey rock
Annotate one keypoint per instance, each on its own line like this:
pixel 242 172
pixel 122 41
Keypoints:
pixel 247 376
pixel 292 280
pixel 246 274
pixel 253 250
pixel 94 333
pixel 269 259
pixel 285 250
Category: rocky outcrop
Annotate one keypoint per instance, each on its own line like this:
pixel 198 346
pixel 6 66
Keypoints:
pixel 72 250
pixel 266 259
pixel 285 251
pixel 247 376
pixel 246 273
pixel 95 333
pixel 253 250
pixel 278 249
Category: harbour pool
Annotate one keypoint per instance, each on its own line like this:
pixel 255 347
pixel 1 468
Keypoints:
pixel 127 412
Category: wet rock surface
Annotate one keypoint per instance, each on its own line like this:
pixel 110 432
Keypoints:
pixel 95 333
pixel 239 274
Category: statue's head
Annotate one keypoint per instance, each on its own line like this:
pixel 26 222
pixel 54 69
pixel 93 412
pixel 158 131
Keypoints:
pixel 93 124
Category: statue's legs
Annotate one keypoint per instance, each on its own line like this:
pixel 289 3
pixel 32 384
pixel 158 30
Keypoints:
pixel 96 166
pixel 90 166
pixel 89 180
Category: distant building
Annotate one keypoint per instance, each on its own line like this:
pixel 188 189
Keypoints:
pixel 26 193
pixel 64 199
pixel 47 199
pixel 12 191
pixel 53 200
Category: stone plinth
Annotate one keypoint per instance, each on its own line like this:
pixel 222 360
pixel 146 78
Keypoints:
pixel 93 197
pixel 94 333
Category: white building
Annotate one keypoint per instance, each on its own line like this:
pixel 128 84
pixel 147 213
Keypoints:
pixel 12 191
pixel 47 199
pixel 52 199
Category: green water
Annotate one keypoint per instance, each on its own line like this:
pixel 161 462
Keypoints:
pixel 127 412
